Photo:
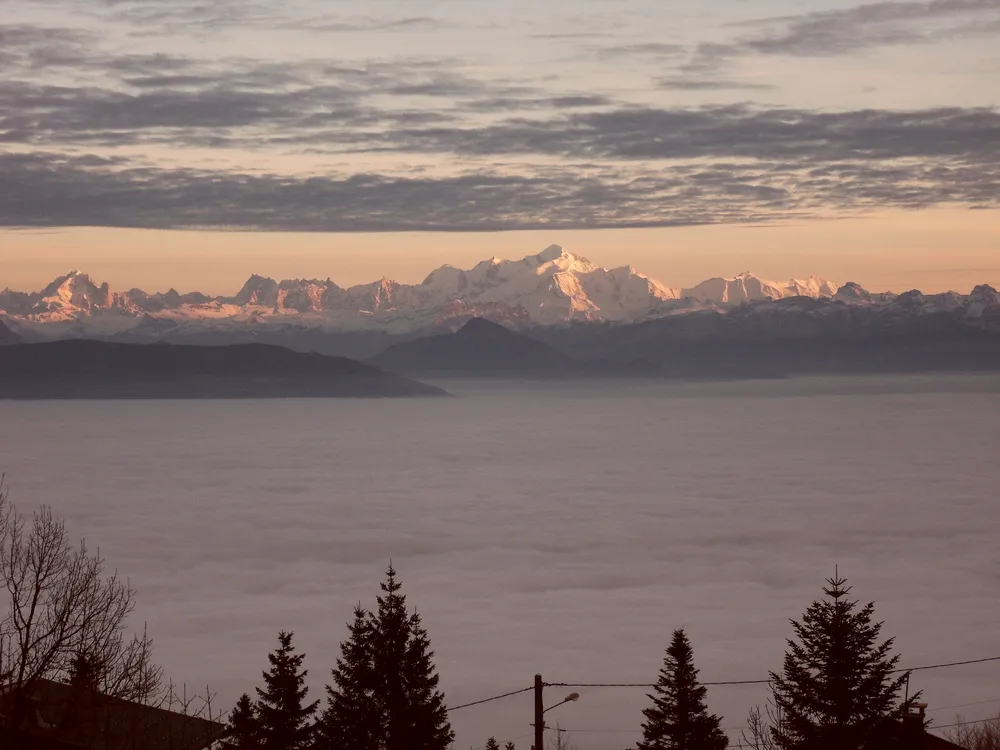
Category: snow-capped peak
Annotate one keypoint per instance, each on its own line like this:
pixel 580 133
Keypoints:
pixel 552 252
pixel 748 287
pixel 550 287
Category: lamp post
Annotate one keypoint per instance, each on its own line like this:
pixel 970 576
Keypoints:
pixel 540 711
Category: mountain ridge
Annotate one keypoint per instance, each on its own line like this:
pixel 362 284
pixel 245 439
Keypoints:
pixel 550 287
pixel 480 347
pixel 87 369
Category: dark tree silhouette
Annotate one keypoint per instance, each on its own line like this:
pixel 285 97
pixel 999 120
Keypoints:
pixel 428 715
pixel 837 690
pixel 385 694
pixel 65 617
pixel 509 746
pixel 85 671
pixel 284 720
pixel 678 718
pixel 414 716
pixel 492 744
pixel 243 730
pixel 351 718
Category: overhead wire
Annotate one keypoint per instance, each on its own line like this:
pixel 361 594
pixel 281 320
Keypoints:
pixel 764 682
pixel 964 723
pixel 965 705
pixel 487 700
pixel 722 683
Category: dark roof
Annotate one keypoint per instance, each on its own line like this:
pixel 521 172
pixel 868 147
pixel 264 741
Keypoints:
pixel 933 742
pixel 67 717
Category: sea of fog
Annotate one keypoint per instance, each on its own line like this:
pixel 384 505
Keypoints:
pixel 550 528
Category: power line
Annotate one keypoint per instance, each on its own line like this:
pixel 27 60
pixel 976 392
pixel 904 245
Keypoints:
pixel 644 684
pixel 722 683
pixel 963 723
pixel 965 705
pixel 761 682
pixel 487 700
pixel 950 664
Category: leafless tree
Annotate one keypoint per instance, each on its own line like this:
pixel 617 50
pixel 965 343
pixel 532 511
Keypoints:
pixel 65 617
pixel 757 735
pixel 560 741
pixel 983 735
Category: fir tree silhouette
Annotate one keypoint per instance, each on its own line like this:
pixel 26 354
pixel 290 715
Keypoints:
pixel 492 744
pixel 413 711
pixel 678 718
pixel 836 690
pixel 243 729
pixel 428 716
pixel 284 721
pixel 390 635
pixel 85 671
pixel 351 718
pixel 385 694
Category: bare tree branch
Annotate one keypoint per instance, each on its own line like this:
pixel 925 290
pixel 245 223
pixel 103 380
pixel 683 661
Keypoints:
pixel 66 616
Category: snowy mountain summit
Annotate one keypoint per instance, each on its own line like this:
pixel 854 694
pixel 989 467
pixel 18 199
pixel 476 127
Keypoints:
pixel 552 287
pixel 749 288
pixel 549 288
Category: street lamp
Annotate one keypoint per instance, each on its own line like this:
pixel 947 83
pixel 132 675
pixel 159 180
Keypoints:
pixel 568 699
pixel 540 711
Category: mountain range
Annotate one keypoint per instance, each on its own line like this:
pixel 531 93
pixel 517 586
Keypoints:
pixel 549 288
pixel 583 311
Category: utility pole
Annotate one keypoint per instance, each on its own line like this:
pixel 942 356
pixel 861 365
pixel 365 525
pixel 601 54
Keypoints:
pixel 539 717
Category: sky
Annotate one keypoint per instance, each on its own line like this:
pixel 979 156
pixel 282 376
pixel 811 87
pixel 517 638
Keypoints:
pixel 188 143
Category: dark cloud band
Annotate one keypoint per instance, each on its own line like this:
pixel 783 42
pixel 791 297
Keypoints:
pixel 42 189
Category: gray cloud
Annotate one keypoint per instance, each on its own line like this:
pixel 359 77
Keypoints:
pixel 201 17
pixel 553 103
pixel 729 131
pixel 614 165
pixel 647 50
pixel 130 99
pixel 838 32
pixel 338 25
pixel 29 47
pixel 842 31
pixel 43 189
pixel 708 84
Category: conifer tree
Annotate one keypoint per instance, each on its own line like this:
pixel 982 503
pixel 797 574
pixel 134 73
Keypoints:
pixel 390 637
pixel 284 720
pixel 428 715
pixel 492 744
pixel 85 671
pixel 385 694
pixel 509 746
pixel 837 690
pixel 678 718
pixel 351 718
pixel 243 729
pixel 406 683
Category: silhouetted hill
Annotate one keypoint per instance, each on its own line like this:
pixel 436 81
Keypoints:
pixel 95 369
pixel 789 337
pixel 478 348
pixel 7 336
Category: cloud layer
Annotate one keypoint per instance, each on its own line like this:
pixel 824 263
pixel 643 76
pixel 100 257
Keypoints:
pixel 116 134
